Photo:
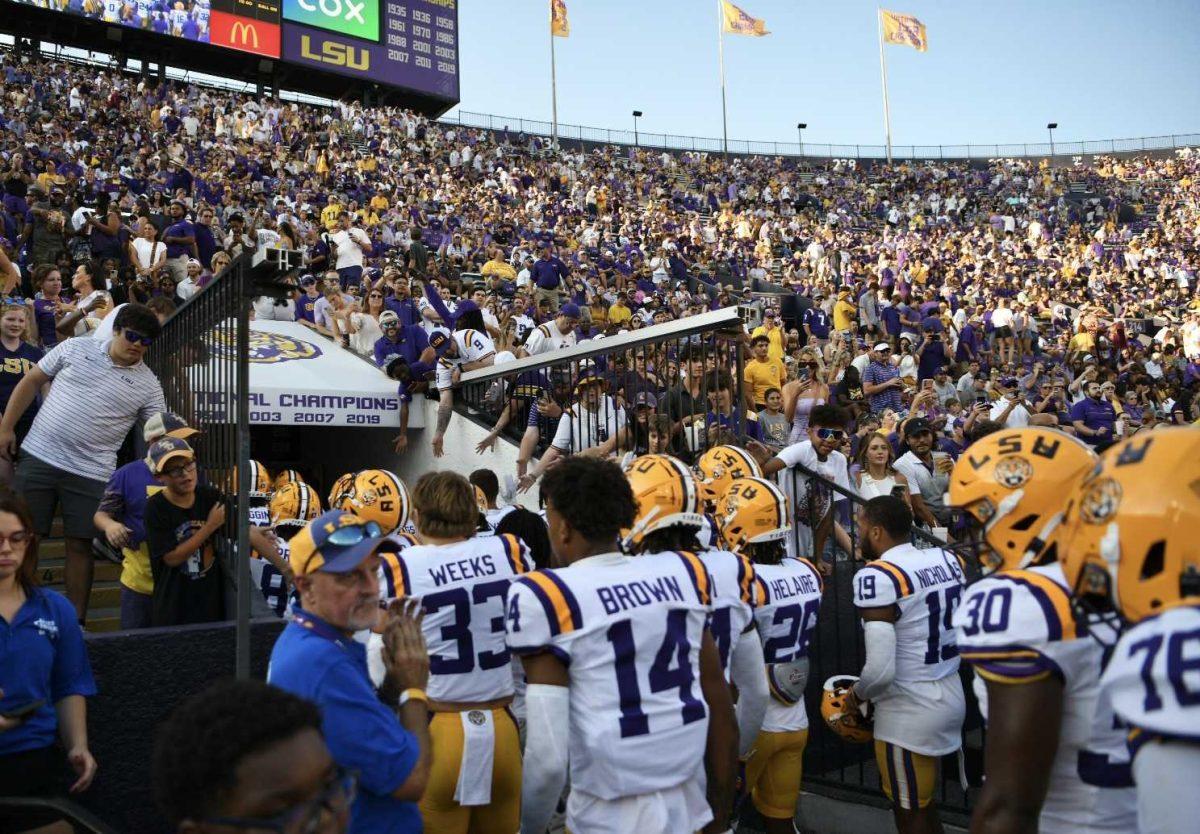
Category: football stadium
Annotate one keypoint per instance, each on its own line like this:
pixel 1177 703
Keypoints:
pixel 374 462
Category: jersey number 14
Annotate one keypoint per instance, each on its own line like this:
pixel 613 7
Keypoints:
pixel 671 670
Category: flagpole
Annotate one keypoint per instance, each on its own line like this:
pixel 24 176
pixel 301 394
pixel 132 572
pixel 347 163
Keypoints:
pixel 721 58
pixel 887 116
pixel 553 84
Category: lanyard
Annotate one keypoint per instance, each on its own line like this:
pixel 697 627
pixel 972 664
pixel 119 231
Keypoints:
pixel 318 627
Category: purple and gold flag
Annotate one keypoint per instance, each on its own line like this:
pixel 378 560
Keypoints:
pixel 904 30
pixel 737 22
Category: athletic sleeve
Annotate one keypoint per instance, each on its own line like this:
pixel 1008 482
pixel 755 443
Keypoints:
pixel 878 585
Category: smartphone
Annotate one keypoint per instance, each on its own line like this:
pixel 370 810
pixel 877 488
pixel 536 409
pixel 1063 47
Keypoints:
pixel 898 491
pixel 23 711
pixel 802 374
pixel 927 385
pixel 982 399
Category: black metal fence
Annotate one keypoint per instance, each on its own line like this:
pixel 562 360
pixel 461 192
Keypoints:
pixel 831 764
pixel 678 384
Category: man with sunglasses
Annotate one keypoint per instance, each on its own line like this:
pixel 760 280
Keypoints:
pixel 811 499
pixel 382 736
pixel 101 387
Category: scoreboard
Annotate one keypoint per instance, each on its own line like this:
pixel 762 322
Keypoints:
pixel 410 44
pixel 401 43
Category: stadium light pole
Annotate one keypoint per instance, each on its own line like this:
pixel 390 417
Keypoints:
pixel 637 114
pixel 1050 127
pixel 800 132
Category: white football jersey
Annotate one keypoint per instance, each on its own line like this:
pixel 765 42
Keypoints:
pixel 1017 627
pixel 790 597
pixel 1153 677
pixel 925 586
pixel 734 595
pixel 629 630
pixel 547 337
pixel 462 588
pixel 472 346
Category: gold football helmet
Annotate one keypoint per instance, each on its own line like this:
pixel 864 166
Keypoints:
pixel 752 511
pixel 1130 544
pixel 1011 486
pixel 720 466
pixel 380 496
pixel 667 496
pixel 260 480
pixel 853 725
pixel 287 476
pixel 341 490
pixel 294 503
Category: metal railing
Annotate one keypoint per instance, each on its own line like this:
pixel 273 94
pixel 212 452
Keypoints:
pixel 683 377
pixel 607 136
pixel 81 820
pixel 832 765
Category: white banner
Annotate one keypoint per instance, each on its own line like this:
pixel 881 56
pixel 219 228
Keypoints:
pixel 299 378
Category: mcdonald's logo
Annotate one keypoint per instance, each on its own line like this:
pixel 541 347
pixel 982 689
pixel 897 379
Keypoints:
pixel 245 34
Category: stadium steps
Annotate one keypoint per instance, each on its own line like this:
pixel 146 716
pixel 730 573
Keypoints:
pixel 104 605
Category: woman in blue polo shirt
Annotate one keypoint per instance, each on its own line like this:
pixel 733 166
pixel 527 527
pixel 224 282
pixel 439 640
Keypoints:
pixel 44 675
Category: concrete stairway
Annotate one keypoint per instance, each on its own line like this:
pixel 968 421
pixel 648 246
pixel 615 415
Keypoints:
pixel 104 606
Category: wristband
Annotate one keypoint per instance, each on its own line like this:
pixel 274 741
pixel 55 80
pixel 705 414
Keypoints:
pixel 413 695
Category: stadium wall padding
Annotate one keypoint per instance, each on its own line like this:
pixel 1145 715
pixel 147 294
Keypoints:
pixel 141 676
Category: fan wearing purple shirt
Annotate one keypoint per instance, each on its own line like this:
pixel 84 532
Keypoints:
pixel 1094 418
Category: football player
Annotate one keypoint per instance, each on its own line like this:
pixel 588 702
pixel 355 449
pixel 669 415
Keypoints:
pixel 753 521
pixel 715 471
pixel 668 519
pixel 624 680
pixel 1054 762
pixel 380 496
pixel 475 783
pixel 906 598
pixel 292 506
pixel 463 350
pixel 1131 552
pixel 341 490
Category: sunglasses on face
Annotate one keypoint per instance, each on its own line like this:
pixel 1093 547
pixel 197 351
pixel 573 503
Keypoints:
pixel 829 434
pixel 138 338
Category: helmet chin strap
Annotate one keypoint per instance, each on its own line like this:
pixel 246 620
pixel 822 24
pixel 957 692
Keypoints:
pixel 640 527
pixel 1110 552
pixel 1039 541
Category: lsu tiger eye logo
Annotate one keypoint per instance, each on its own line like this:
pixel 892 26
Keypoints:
pixel 1013 472
pixel 269 348
pixel 1100 501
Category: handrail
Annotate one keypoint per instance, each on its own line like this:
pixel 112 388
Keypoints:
pixel 726 318
pixel 76 814
pixel 950 151
pixel 855 498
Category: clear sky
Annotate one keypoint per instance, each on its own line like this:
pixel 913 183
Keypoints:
pixel 994 72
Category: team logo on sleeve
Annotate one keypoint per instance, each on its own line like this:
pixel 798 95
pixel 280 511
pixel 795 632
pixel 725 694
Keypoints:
pixel 1013 472
pixel 269 348
pixel 1100 501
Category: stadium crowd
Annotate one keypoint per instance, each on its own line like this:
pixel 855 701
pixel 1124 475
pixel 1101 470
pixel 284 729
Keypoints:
pixel 893 316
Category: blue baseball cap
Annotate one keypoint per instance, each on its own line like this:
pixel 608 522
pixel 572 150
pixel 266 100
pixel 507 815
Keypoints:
pixel 334 542
pixel 570 310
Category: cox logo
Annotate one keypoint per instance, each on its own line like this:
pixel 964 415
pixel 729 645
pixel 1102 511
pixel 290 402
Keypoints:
pixel 357 18
pixel 334 8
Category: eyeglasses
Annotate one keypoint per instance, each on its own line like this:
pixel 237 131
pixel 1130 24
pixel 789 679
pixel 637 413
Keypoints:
pixel 180 471
pixel 375 295
pixel 17 539
pixel 830 434
pixel 132 335
pixel 337 794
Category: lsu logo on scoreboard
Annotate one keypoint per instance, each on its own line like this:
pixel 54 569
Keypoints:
pixel 335 54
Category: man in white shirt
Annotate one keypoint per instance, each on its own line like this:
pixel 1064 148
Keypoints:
pixel 350 243
pixel 811 500
pixel 557 333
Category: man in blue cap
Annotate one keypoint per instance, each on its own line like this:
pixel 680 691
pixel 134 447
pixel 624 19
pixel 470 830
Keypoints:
pixel 383 737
